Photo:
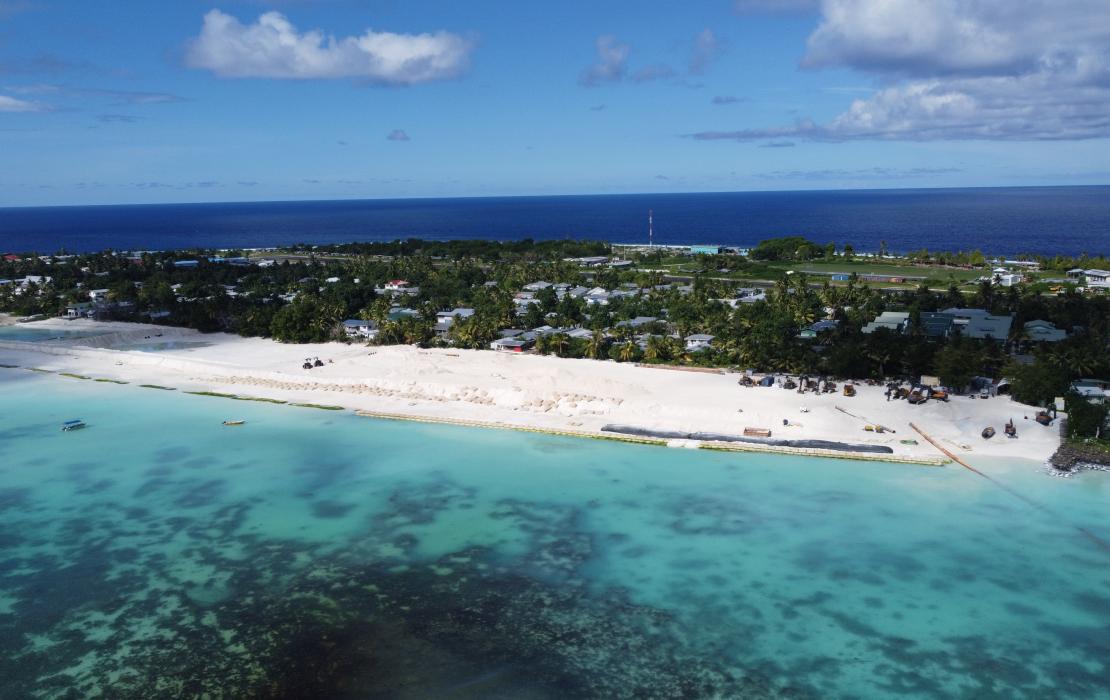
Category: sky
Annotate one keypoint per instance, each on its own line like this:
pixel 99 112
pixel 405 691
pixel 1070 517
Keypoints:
pixel 133 101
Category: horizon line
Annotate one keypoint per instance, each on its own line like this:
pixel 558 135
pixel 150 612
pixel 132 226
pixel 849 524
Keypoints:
pixel 564 194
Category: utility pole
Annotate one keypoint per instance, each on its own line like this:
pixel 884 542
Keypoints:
pixel 650 232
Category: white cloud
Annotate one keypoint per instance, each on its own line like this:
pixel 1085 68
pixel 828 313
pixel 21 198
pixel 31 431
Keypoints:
pixel 273 48
pixel 398 135
pixel 963 69
pixel 11 104
pixel 612 62
pixel 706 48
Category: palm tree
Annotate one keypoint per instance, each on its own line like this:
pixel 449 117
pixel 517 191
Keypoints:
pixel 595 346
pixel 560 344
pixel 628 351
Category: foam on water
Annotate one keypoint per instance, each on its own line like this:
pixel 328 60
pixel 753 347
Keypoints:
pixel 317 553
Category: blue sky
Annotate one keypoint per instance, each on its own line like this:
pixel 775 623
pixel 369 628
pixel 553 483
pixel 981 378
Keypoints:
pixel 139 101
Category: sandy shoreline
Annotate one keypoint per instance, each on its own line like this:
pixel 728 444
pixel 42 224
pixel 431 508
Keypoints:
pixel 526 392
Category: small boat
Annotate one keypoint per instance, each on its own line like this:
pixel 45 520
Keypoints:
pixel 1011 431
pixel 938 394
pixel 917 397
pixel 789 384
pixel 235 422
pixel 988 433
pixel 1043 418
pixel 72 425
pixel 849 390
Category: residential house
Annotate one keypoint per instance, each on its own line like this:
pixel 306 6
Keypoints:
pixel 977 323
pixel 697 342
pixel 1043 332
pixel 1097 279
pixel 358 328
pixel 510 345
pixel 446 319
pixel 536 286
pixel 79 310
pixel 936 325
pixel 1093 389
pixel 98 294
pixel 895 321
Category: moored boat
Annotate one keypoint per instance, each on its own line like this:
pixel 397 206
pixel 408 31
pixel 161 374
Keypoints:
pixel 72 425
pixel 235 422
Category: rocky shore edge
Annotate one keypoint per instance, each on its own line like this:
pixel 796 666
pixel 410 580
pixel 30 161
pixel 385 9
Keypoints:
pixel 1075 457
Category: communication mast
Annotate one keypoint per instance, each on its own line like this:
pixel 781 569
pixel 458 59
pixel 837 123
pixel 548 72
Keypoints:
pixel 650 232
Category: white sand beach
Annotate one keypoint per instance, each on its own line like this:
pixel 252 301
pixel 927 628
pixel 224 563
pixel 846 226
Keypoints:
pixel 524 391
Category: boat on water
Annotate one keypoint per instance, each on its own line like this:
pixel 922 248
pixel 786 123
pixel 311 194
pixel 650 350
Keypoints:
pixel 988 433
pixel 235 422
pixel 73 425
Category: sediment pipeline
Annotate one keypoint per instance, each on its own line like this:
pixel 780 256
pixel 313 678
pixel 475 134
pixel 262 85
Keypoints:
pixel 771 442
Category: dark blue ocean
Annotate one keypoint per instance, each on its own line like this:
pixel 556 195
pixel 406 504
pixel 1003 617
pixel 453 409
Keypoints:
pixel 1043 220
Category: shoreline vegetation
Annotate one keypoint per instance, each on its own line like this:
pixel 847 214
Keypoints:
pixel 788 312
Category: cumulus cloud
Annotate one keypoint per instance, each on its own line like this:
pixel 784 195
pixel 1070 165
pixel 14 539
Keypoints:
pixel 398 135
pixel 726 100
pixel 962 69
pixel 706 48
pixel 272 47
pixel 11 104
pixel 611 65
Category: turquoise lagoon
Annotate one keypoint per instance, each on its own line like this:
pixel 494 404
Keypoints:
pixel 314 553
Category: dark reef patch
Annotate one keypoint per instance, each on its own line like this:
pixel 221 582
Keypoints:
pixel 331 509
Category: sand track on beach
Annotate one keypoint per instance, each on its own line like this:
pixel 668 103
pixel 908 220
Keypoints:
pixel 529 391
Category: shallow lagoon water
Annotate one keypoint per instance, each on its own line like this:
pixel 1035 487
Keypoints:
pixel 316 553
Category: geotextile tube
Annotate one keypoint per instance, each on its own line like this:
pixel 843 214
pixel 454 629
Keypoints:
pixel 719 437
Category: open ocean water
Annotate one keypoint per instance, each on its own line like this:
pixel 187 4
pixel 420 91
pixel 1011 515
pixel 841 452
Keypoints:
pixel 1004 221
pixel 312 553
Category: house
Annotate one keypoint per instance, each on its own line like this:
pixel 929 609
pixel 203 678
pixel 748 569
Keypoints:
pixel 895 321
pixel 840 277
pixel 637 322
pixel 357 328
pixel 1043 332
pixel 977 323
pixel 11 257
pixel 706 250
pixel 1093 389
pixel 446 319
pixel 597 297
pixel 1075 272
pixel 1097 279
pixel 697 342
pixel 936 325
pixel 536 286
pixel 1008 279
pixel 186 263
pixel 396 285
pixel 580 333
pixel 98 294
pixel 79 310
pixel 510 345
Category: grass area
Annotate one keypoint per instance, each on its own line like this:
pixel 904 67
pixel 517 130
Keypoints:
pixel 73 376
pixel 1091 445
pixel 158 386
pixel 111 381
pixel 322 407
